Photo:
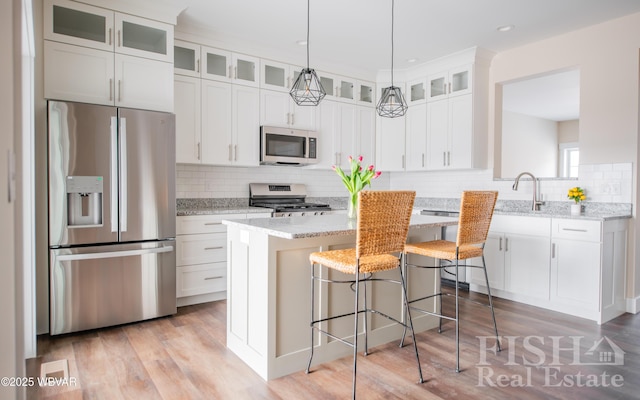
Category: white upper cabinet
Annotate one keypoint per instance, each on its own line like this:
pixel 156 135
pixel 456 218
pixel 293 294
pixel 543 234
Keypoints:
pixel 78 73
pixel 78 24
pixel 186 58
pixel 142 83
pixel 348 90
pixel 279 109
pixel 226 66
pixel 188 120
pixel 416 138
pixel 278 76
pixel 365 93
pixel 100 56
pixel 141 37
pixel 83 25
pixel 416 92
pixel 450 134
pixel 454 82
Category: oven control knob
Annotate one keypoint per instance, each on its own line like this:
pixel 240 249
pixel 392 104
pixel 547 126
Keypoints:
pixel 303 214
pixel 320 213
pixel 288 215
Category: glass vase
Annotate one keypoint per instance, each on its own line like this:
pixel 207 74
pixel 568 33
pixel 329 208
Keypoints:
pixel 352 208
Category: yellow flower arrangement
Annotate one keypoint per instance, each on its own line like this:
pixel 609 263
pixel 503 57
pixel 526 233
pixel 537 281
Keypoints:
pixel 576 194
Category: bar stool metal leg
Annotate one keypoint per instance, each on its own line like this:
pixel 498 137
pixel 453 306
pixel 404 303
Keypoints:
pixel 408 313
pixel 313 285
pixel 493 315
pixel 457 318
pixel 355 331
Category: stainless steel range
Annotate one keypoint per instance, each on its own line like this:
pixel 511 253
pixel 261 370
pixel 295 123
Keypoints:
pixel 286 199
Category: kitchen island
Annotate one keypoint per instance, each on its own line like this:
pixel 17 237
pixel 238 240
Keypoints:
pixel 269 290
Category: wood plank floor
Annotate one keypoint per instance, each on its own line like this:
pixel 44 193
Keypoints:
pixel 184 357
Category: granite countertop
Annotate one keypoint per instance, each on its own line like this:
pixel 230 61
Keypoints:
pixel 325 225
pixel 592 211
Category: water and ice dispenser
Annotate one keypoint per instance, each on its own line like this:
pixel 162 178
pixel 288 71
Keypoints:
pixel 84 201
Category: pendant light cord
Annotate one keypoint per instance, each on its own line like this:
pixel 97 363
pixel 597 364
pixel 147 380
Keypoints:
pixel 308 2
pixel 392 18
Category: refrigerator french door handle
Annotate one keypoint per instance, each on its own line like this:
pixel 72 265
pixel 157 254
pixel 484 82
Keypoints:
pixel 114 254
pixel 123 174
pixel 114 174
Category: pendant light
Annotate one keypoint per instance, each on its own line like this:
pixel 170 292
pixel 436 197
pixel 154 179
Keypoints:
pixel 307 89
pixel 392 103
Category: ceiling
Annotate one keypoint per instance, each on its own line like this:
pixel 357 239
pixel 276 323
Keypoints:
pixel 357 33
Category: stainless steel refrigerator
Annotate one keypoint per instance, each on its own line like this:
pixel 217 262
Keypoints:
pixel 111 216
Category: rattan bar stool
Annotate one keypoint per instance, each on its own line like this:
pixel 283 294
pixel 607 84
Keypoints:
pixel 476 211
pixel 382 227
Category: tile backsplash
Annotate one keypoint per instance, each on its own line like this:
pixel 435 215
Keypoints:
pixel 607 183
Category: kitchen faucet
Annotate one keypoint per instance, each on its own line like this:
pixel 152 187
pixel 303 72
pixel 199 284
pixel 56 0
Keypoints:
pixel 535 206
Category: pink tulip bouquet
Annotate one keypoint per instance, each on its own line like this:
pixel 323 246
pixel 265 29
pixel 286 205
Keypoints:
pixel 356 181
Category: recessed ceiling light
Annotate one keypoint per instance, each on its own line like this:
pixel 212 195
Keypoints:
pixel 412 60
pixel 505 28
pixel 301 42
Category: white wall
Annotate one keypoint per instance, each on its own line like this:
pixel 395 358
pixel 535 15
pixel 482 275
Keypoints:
pixel 537 136
pixel 569 131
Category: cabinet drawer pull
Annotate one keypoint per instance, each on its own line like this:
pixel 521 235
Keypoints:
pixel 210 278
pixel 110 40
pixel 574 230
pixel 214 248
pixel 500 245
pixel 110 89
pixel 119 41
pixel 212 223
pixel 230 158
pixel 198 65
pixel 119 90
pixel 506 244
pixel 553 250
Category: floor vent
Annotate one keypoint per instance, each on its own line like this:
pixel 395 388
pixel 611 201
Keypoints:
pixel 55 369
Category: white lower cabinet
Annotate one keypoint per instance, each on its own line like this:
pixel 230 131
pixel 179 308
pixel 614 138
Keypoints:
pixel 567 265
pixel 517 256
pixel 588 263
pixel 201 257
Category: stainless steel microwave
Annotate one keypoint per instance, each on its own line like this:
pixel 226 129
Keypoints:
pixel 287 146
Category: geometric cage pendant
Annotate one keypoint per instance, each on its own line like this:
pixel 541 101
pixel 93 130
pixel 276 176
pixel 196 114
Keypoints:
pixel 392 103
pixel 307 89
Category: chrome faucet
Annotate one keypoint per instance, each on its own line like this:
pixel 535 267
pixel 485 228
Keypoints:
pixel 535 206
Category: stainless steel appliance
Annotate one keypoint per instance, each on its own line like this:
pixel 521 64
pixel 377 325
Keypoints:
pixel 286 199
pixel 447 275
pixel 111 216
pixel 286 146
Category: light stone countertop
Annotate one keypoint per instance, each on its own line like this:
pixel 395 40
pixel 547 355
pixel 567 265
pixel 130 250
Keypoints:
pixel 324 225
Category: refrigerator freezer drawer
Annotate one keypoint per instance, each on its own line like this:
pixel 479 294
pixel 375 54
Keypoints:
pixel 98 286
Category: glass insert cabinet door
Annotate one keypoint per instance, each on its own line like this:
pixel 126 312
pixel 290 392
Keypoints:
pixel 83 25
pixel 186 58
pixel 454 82
pixel 78 24
pixel 144 38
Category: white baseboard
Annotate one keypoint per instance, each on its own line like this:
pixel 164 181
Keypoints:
pixel 633 305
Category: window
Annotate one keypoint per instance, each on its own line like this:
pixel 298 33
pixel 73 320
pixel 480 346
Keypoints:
pixel 569 160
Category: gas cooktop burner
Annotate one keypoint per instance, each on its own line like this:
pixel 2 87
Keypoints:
pixel 292 206
pixel 284 199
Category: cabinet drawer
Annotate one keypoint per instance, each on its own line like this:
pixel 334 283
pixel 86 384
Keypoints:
pixel 192 280
pixel 203 223
pixel 576 229
pixel 515 224
pixel 200 249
